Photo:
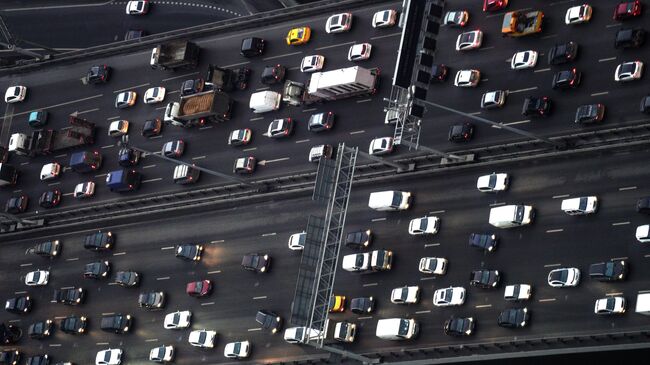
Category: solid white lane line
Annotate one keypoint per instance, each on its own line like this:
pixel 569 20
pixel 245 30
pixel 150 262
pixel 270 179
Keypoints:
pixel 282 55
pixel 627 188
pixel 334 45
pixel 131 88
pixel 554 230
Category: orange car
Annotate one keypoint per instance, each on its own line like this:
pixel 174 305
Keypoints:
pixel 297 36
pixel 337 303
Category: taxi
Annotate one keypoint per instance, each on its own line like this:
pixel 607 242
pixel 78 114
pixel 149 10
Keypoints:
pixel 298 36
pixel 337 303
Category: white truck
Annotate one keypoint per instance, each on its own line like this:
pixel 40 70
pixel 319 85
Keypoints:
pixel 265 101
pixel 396 328
pixel 508 216
pixel 389 200
pixel 299 335
pixel 643 304
pixel 341 83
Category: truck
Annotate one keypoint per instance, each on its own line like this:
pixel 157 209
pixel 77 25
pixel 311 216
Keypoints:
pixel 521 23
pixel 643 304
pixel 341 83
pixel 197 109
pixel 47 141
pixel 508 216
pixel 123 180
pixel 175 55
pixel 225 79
pixel 8 175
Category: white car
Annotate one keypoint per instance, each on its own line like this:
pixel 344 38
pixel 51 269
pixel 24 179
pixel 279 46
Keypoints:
pixel 433 265
pixel 610 305
pixel 578 14
pixel 469 40
pixel 467 78
pixel 109 357
pixel 339 23
pixel 125 99
pixel 237 350
pixel 154 95
pixel 178 319
pixel 202 338
pixel 493 99
pixel 84 190
pixel 312 63
pixel 381 146
pixel 297 241
pixel 118 128
pixel 517 292
pixel 629 71
pixel 405 295
pixel 37 278
pixel 359 52
pixel 580 206
pixel 15 94
pixel 162 354
pixel 492 183
pixel 384 18
pixel 424 225
pixel 445 297
pixel 563 277
pixel 356 262
pixel 50 171
pixel 524 60
pixel 140 7
pixel 643 233
pixel 456 18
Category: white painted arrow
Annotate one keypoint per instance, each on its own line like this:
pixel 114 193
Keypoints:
pixel 264 162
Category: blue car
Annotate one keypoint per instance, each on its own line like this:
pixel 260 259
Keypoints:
pixel 37 118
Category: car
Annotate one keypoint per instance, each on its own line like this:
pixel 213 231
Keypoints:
pixel 514 318
pixel 536 106
pixel 98 74
pixel 17 204
pixel 439 73
pixel 629 38
pixel 118 128
pixel 494 5
pixel 578 14
pixel 37 118
pixel 41 329
pixel 580 205
pixel 312 63
pixel 47 248
pixel 612 270
pixel 627 10
pixel 117 323
pixel 99 241
pixel 252 47
pixel 244 165
pixel 359 52
pixel 469 40
pixel 356 262
pixel 589 113
pixel 433 265
pixel 10 357
pixel 154 95
pixel 128 157
pixel 37 278
pixel 467 78
pixel 563 53
pixel 38 360
pixel 339 23
pixel 192 86
pixel 237 350
pixel 384 18
pixel 485 279
pixel 202 338
pixel 629 71
pixel 320 151
pixel 381 146
pixel 523 60
pixel 358 239
pixel 125 99
pixel 270 321
pixel 345 331
pixel 459 133
pixel 456 326
pixel 297 241
pixel 50 199
pixel 151 128
pixel 97 269
pixel 567 79
pixel 424 225
pixel 280 128
pixel 173 149
pixel 69 296
pixel 298 36
pixel 493 183
pixel 456 18
pixel 84 190
pixel 643 205
pixel 362 305
pixel 50 171
pixel 451 296
pixel 20 304
pixel 109 356
pixel 405 295
pixel 161 354
pixel 256 262
pixel 140 7
pixel 15 94
pixel 272 75
pixel 188 252
pixel 564 277
pixel 127 278
pixel 645 104
pixel 134 34
pixel 320 122
pixel 199 288
pixel 517 292
pixel 240 137
pixel 610 305
pixel 493 99
pixel 484 241
pixel 642 233
pixel 178 319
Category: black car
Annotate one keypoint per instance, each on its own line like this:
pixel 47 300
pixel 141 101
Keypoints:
pixel 21 304
pixel 190 87
pixel 273 74
pixel 127 278
pixel 536 106
pixel 612 270
pixel 69 296
pixel 321 122
pixel 358 239
pixel 9 357
pixel 269 321
pixel 47 249
pixel 643 205
pixel 50 199
pixel 73 325
pixel 645 104
pixel 514 318
pixel 128 157
pixel 362 305
pixel 117 323
pixel 252 46
pixel 99 241
pixel 456 326
pixel 40 329
pixel 134 34
pixel 591 113
pixel 567 79
pixel 97 269
pixel 563 53
pixel 461 132
pixel 484 241
pixel 98 74
pixel 243 75
pixel 38 360
pixel 17 204
pixel 152 127
pixel 189 252
pixel 439 73
pixel 485 279
pixel 629 38
pixel 256 262
pixel 152 300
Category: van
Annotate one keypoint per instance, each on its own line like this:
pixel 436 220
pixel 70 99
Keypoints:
pixel 123 180
pixel 85 161
pixel 184 174
pixel 252 46
pixel 509 216
pixel 390 200
pixel 320 151
pixel 265 101
pixel 297 335
pixel 396 329
pixel 580 206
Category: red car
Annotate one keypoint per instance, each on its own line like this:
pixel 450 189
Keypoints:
pixel 199 288
pixel 627 9
pixel 494 5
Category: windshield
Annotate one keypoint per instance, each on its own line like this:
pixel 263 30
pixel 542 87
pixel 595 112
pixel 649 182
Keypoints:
pixel 583 204
pixel 397 199
pixel 202 337
pixel 493 181
pixel 403 328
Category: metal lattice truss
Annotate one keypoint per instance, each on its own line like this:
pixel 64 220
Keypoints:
pixel 407 126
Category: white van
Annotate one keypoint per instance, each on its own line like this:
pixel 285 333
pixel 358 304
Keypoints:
pixel 389 200
pixel 509 216
pixel 396 329
pixel 296 335
pixel 580 206
pixel 265 101
pixel 643 233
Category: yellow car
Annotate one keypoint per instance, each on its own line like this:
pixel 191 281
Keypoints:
pixel 337 303
pixel 298 36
